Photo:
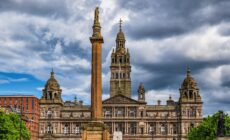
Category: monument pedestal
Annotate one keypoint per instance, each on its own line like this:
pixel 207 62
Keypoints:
pixel 95 131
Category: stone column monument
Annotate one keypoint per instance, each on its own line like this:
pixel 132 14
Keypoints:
pixel 96 129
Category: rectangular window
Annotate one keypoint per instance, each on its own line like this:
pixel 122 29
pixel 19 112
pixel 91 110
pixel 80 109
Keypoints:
pixel 27 102
pixel 66 129
pixel 150 129
pixel 32 104
pixel 16 103
pixel 4 101
pixel 10 102
pixel 77 130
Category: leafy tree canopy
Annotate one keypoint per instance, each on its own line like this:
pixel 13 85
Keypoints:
pixel 10 126
pixel 207 129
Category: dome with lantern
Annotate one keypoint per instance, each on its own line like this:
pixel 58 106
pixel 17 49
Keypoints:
pixel 52 83
pixel 189 82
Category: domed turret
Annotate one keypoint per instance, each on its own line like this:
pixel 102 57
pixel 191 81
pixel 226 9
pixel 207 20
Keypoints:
pixel 120 40
pixel 51 91
pixel 189 90
pixel 52 83
pixel 189 82
pixel 120 36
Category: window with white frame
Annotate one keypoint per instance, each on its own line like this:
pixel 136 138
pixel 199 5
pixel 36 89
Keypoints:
pixel 120 112
pixel 66 129
pixel 49 113
pixel 107 113
pixel 49 129
pixel 77 129
pixel 163 129
pixel 150 129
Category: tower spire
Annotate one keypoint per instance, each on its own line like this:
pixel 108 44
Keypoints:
pixel 120 22
pixel 120 40
pixel 188 71
pixel 52 73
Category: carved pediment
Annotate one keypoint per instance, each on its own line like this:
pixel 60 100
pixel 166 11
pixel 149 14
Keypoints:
pixel 120 99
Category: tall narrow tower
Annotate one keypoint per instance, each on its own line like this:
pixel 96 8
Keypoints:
pixel 190 104
pixel 96 129
pixel 96 77
pixel 120 80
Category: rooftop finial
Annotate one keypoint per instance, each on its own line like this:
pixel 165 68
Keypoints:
pixel 75 99
pixel 120 22
pixel 52 73
pixel 188 71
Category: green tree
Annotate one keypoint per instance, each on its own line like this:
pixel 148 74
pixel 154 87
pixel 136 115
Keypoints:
pixel 10 127
pixel 206 130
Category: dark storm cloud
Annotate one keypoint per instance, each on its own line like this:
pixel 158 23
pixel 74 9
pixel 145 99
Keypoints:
pixel 225 79
pixel 160 19
pixel 41 8
pixel 171 74
pixel 44 26
pixel 51 8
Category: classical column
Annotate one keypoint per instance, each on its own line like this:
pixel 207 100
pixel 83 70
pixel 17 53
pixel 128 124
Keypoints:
pixel 96 77
pixel 126 127
pixel 96 129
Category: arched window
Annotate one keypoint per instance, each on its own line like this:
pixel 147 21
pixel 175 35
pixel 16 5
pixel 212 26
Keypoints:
pixel 49 113
pixel 120 59
pixel 185 95
pixel 190 94
pixel 191 126
pixel 124 75
pixel 142 130
pixel 142 113
pixel 174 129
pixel 55 95
pixel 141 96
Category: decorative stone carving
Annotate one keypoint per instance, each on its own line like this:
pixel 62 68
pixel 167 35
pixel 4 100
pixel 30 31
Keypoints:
pixel 120 99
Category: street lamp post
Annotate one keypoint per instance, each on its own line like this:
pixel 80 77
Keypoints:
pixel 21 114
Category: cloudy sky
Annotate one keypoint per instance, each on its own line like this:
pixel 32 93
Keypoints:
pixel 164 37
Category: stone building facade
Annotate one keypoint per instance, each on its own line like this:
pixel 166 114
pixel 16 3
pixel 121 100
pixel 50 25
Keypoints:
pixel 134 118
